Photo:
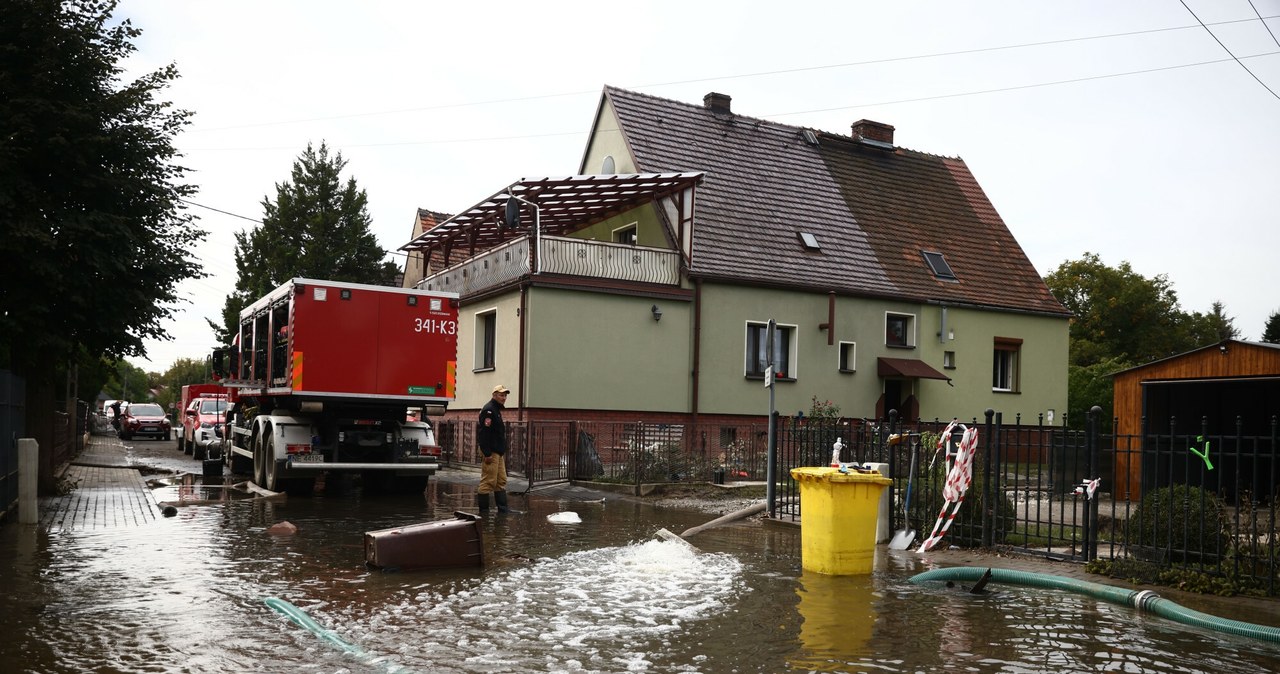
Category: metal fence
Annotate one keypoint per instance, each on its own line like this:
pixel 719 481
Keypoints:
pixel 12 413
pixel 1180 501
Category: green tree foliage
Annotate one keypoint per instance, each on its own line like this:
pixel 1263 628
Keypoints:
pixel 1271 333
pixel 127 381
pixel 1122 319
pixel 96 239
pixel 1118 313
pixel 317 227
pixel 168 385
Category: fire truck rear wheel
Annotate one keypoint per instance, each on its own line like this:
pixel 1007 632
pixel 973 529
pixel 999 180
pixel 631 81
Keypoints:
pixel 260 460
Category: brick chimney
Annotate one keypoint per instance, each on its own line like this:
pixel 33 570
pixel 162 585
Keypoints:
pixel 718 103
pixel 874 131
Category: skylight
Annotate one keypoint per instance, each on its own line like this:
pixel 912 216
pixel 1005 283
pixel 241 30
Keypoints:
pixel 939 265
pixel 809 240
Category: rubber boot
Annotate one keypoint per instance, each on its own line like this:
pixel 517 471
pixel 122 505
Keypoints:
pixel 500 497
pixel 482 502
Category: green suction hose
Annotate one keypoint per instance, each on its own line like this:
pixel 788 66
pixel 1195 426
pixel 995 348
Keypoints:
pixel 1143 600
pixel 301 619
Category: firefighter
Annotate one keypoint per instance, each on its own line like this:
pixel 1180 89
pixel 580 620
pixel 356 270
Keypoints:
pixel 492 438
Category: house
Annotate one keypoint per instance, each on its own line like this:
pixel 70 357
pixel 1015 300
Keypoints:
pixel 414 264
pixel 642 286
pixel 1228 392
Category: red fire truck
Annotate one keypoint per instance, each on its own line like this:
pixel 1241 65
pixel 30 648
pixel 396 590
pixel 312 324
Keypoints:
pixel 322 375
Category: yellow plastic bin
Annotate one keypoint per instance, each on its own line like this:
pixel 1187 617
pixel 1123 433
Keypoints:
pixel 838 513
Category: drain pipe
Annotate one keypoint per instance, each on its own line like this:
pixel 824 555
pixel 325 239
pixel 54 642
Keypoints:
pixel 1143 600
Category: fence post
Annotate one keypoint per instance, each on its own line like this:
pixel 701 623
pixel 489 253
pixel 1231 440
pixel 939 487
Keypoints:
pixel 894 525
pixel 1090 546
pixel 28 481
pixel 988 489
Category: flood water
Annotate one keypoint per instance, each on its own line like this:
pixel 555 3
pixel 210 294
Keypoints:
pixel 186 594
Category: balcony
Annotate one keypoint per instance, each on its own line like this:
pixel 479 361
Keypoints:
pixel 560 255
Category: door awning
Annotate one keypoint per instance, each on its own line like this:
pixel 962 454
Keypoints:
pixel 907 367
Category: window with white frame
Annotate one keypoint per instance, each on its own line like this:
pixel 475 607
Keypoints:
pixel 783 350
pixel 848 356
pixel 626 234
pixel 899 330
pixel 1005 358
pixel 486 339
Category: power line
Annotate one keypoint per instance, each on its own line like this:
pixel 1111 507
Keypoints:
pixel 1224 47
pixel 1018 87
pixel 219 210
pixel 962 52
pixel 1264 23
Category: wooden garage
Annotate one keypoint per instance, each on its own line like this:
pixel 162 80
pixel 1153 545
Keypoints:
pixel 1226 394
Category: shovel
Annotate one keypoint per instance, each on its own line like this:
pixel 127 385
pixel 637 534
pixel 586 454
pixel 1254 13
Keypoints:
pixel 904 536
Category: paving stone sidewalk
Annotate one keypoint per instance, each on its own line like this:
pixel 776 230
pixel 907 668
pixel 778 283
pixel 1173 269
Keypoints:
pixel 108 491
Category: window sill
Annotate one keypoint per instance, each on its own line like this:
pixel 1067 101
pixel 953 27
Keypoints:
pixel 1005 391
pixel 760 377
pixel 900 346
pixel 844 371
pixel 484 369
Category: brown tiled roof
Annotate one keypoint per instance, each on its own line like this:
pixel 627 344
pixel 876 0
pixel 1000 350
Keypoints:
pixel 872 209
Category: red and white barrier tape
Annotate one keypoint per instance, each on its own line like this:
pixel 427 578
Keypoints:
pixel 959 477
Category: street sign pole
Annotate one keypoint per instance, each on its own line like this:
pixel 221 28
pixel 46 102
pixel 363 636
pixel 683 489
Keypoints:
pixel 770 490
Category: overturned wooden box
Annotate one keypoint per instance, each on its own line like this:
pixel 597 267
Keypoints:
pixel 430 545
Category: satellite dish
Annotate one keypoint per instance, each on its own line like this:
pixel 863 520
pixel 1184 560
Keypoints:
pixel 511 216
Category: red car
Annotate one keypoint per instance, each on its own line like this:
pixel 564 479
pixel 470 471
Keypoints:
pixel 202 424
pixel 145 419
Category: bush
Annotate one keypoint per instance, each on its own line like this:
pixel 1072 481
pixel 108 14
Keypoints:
pixel 1181 524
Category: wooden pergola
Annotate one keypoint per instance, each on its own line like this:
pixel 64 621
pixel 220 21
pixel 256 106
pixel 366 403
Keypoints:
pixel 554 207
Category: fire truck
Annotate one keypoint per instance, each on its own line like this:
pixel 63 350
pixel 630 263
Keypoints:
pixel 322 376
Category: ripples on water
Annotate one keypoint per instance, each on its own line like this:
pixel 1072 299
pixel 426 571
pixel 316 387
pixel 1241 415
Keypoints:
pixel 186 595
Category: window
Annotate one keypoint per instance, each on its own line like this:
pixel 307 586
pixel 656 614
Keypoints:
pixel 939 265
pixel 625 235
pixel 899 330
pixel 486 339
pixel 783 354
pixel 948 360
pixel 1004 364
pixel 809 241
pixel 848 351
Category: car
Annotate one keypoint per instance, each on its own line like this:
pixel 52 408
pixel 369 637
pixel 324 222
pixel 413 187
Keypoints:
pixel 202 425
pixel 145 419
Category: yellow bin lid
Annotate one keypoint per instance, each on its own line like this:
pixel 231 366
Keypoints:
pixel 829 474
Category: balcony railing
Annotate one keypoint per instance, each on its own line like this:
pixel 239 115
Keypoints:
pixel 560 255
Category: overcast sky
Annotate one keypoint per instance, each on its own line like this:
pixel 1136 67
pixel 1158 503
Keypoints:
pixel 1121 128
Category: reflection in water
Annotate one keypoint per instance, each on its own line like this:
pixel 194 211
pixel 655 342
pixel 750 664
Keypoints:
pixel 839 617
pixel 186 594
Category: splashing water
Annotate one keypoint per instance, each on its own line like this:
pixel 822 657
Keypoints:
pixel 606 609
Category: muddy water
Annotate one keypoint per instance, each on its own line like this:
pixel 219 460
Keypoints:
pixel 186 595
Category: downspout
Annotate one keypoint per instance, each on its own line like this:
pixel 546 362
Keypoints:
pixel 830 325
pixel 697 346
pixel 523 313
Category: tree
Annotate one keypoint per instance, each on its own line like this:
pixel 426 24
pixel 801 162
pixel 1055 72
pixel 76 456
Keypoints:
pixel 1271 333
pixel 1118 313
pixel 1122 319
pixel 96 237
pixel 1212 327
pixel 317 227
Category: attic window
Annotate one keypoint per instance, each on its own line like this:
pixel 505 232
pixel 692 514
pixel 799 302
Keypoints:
pixel 810 137
pixel 810 241
pixel 939 265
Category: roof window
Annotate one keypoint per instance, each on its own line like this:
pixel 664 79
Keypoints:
pixel 809 240
pixel 939 265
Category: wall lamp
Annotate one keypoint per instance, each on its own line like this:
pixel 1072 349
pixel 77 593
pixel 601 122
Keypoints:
pixel 657 313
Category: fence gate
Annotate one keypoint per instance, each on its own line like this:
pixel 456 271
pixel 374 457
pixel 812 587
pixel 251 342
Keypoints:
pixel 13 395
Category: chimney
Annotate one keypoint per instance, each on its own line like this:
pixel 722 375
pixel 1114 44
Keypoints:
pixel 865 129
pixel 718 103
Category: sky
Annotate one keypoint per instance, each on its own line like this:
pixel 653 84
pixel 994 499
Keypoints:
pixel 1127 129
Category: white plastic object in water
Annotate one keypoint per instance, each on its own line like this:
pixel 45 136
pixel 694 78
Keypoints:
pixel 564 517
